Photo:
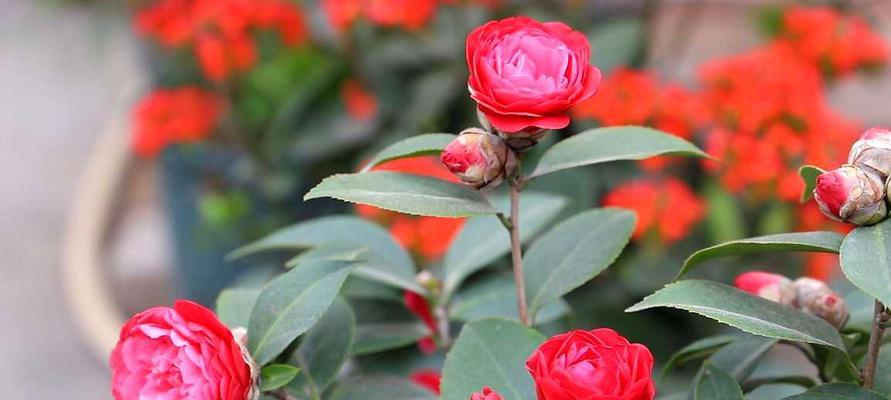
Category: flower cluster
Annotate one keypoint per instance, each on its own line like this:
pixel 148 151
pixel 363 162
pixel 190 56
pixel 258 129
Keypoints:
pixel 167 116
pixel 219 32
pixel 809 295
pixel 667 209
pixel 426 237
pixel 836 43
pixel 410 15
pixel 856 192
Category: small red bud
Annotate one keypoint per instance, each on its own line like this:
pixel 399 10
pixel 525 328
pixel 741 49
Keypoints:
pixel 479 158
pixel 773 287
pixel 850 194
pixel 816 298
pixel 872 151
pixel 486 394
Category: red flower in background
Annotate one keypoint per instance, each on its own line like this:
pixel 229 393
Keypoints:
pixel 629 97
pixel 168 116
pixel 426 237
pixel 411 15
pixel 836 43
pixel 428 379
pixel 667 208
pixel 360 103
pixel 221 31
pixel 419 306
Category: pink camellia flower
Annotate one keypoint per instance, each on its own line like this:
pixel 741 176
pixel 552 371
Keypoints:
pixel 773 287
pixel 592 365
pixel 873 151
pixel 850 194
pixel 525 75
pixel 183 352
pixel 479 158
pixel 486 394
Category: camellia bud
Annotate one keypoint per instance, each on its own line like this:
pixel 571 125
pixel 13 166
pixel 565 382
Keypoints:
pixel 872 152
pixel 851 194
pixel 815 297
pixel 479 158
pixel 773 287
pixel 486 394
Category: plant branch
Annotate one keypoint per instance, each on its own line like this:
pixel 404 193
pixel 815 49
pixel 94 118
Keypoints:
pixel 505 220
pixel 516 249
pixel 880 319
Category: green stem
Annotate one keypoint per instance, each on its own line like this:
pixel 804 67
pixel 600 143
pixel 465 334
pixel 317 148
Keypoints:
pixel 517 249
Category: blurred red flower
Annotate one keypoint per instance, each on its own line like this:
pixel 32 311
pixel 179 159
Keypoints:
pixel 411 15
pixel 221 31
pixel 359 102
pixel 167 116
pixel 666 208
pixel 836 43
pixel 426 237
pixel 428 379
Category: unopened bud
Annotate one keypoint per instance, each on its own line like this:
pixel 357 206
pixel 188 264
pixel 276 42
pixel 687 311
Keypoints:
pixel 486 394
pixel 872 151
pixel 815 297
pixel 773 287
pixel 479 158
pixel 850 194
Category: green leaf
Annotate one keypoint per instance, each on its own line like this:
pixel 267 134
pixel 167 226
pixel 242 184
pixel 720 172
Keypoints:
pixel 818 241
pixel 698 349
pixel 809 175
pixel 375 338
pixel 234 306
pixel 741 357
pixel 838 391
pixel 323 350
pixel 482 240
pixel 713 383
pixel 404 193
pixel 725 220
pixel 291 304
pixel 615 42
pixel 741 310
pixel 335 251
pixel 382 388
pixel 866 259
pixel 387 263
pixel 490 352
pixel 798 380
pixel 574 252
pixel 496 296
pixel 274 376
pixel 420 145
pixel 612 144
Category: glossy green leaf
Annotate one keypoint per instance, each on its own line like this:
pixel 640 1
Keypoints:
pixel 615 42
pixel 490 352
pixel 274 376
pixel 574 252
pixel 482 240
pixel 387 263
pixel 797 380
pixel 381 388
pixel 291 304
pixel 496 296
pixel 323 350
pixel 751 314
pixel 838 391
pixel 414 146
pixel 819 241
pixel 612 144
pixel 404 193
pixel 713 383
pixel 699 349
pixel 741 357
pixel 335 251
pixel 234 306
pixel 809 175
pixel 866 259
pixel 375 338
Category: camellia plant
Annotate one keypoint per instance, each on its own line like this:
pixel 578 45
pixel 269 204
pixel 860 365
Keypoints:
pixel 341 322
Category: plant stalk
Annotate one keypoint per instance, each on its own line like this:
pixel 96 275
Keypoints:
pixel 880 319
pixel 516 249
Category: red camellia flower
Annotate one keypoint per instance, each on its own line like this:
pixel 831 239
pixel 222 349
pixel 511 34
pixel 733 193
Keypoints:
pixel 167 116
pixel 183 352
pixel 359 102
pixel 667 208
pixel 774 287
pixel 592 365
pixel 427 378
pixel 486 394
pixel 525 75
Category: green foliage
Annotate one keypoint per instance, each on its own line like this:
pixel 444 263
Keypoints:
pixel 741 357
pixel 698 349
pixel 490 352
pixel 615 43
pixel 820 241
pixel 809 175
pixel 743 311
pixel 381 388
pixel 274 376
pixel 414 146
pixel 291 304
pixel 714 383
pixel 234 306
pixel 866 259
pixel 574 252
pixel 496 296
pixel 838 391
pixel 483 239
pixel 323 350
pixel 385 325
pixel 405 193
pixel 613 144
